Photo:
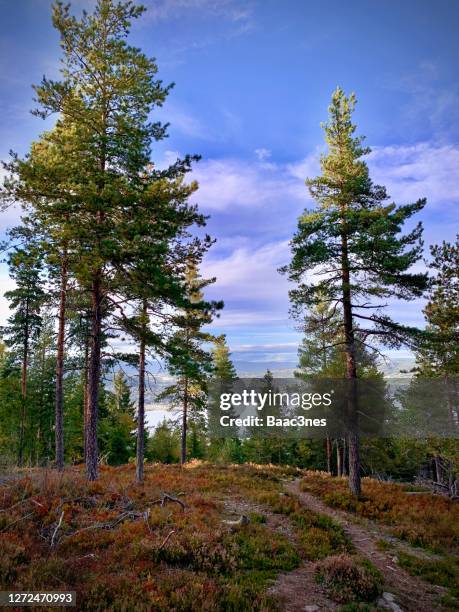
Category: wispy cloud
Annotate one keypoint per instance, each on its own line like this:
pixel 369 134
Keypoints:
pixel 421 170
pixel 233 10
pixel 266 348
pixel 263 154
pixel 228 183
pixel 432 102
pixel 251 274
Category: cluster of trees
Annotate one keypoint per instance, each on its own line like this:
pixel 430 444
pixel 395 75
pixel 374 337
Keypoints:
pixel 107 245
pixel 108 255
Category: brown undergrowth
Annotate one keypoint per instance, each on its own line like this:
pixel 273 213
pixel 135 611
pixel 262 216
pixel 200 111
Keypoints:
pixel 175 543
pixel 425 520
pixel 160 546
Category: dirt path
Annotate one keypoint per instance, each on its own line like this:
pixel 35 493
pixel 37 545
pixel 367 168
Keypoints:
pixel 410 593
pixel 297 590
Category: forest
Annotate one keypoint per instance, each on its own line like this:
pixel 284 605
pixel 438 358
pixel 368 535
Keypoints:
pixel 106 267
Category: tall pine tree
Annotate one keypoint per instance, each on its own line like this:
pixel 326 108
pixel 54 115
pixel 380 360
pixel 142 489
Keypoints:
pixel 352 240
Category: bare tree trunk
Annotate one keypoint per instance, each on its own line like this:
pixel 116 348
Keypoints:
pixel 329 454
pixel 141 406
pixel 94 371
pixel 339 468
pixel 85 397
pixel 345 459
pixel 25 358
pixel 59 424
pixel 184 423
pixel 438 470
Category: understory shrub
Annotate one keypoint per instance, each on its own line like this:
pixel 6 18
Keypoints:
pixel 348 578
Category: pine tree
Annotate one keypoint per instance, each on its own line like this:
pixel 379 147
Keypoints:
pixel 190 362
pixel 224 369
pixel 26 301
pixel 41 394
pixel 438 355
pixel 120 422
pixel 223 377
pixel 321 326
pixel 164 444
pixel 317 352
pixel 352 242
pixel 10 403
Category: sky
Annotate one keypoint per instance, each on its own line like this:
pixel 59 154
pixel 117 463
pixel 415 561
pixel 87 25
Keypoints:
pixel 253 80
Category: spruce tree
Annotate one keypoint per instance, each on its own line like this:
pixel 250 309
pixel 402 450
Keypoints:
pixel 352 241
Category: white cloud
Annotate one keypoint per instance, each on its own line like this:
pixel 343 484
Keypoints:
pixel 263 154
pixel 228 183
pixel 408 172
pixel 251 274
pixel 421 170
pixel 232 10
pixel 250 348
pixel 309 167
pixel 236 317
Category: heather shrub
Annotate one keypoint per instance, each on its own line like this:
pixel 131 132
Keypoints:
pixel 425 520
pixel 12 556
pixel 347 579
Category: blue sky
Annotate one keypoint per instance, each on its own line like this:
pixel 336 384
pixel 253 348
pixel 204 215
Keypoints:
pixel 253 82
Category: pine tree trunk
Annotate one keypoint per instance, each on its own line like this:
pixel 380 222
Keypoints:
pixel 338 459
pixel 184 423
pixel 329 454
pixel 353 438
pixel 438 470
pixel 345 459
pixel 141 407
pixel 94 372
pixel 25 358
pixel 59 424
pixel 85 396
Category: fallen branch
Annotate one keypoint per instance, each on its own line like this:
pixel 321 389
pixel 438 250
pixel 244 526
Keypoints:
pixel 57 529
pixel 22 518
pixel 165 498
pixel 166 539
pixel 146 515
pixel 112 524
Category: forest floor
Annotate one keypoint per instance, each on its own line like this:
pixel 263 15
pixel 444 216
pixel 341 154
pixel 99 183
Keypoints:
pixel 229 538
